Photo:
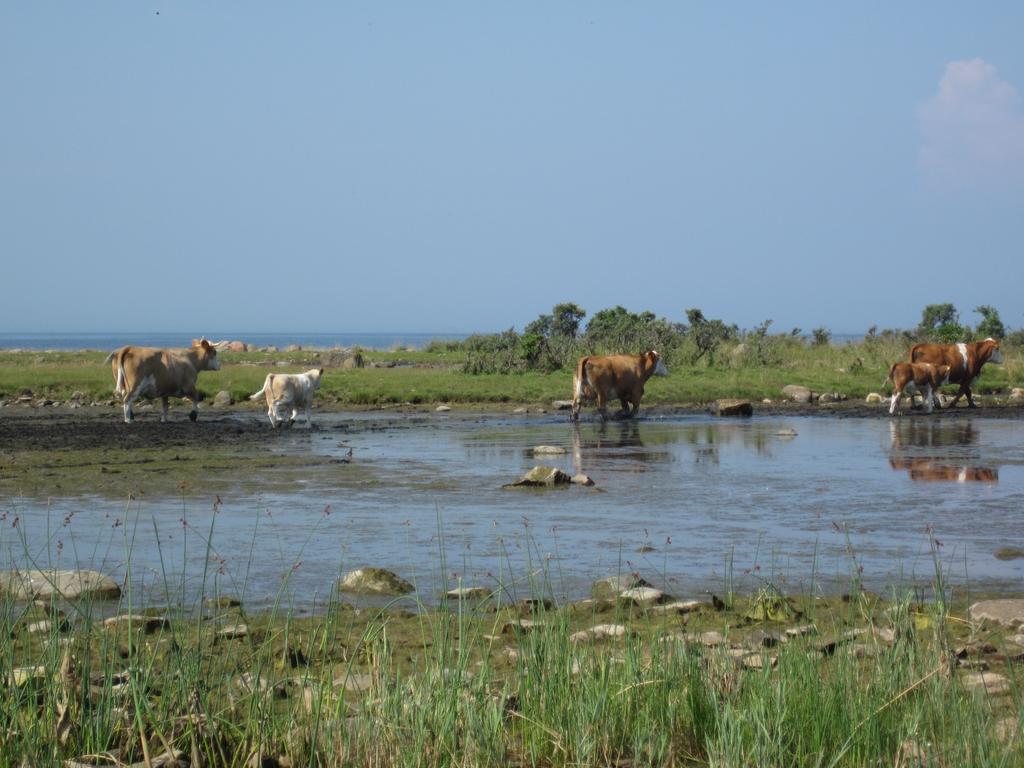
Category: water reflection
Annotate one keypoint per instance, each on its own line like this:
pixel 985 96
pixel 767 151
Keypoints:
pixel 933 450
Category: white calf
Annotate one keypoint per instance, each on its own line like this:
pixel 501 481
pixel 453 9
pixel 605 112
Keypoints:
pixel 289 389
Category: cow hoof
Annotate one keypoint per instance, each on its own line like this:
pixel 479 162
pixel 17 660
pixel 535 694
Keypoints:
pixel 193 415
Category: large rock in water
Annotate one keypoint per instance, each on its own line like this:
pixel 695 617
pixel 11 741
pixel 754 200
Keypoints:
pixel 732 407
pixel 541 476
pixel 223 399
pixel 375 581
pixel 70 585
pixel 798 393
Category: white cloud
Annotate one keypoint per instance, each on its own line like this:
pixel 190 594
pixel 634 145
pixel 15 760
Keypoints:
pixel 973 128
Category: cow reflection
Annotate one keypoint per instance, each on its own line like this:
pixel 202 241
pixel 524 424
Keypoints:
pixel 623 437
pixel 915 445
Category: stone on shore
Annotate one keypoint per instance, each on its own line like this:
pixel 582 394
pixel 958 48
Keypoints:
pixel 732 407
pixel 70 585
pixel 798 393
pixel 375 581
pixel 561 405
pixel 582 479
pixel 611 587
pixel 1006 613
pixel 643 596
pixel 874 398
pixel 223 398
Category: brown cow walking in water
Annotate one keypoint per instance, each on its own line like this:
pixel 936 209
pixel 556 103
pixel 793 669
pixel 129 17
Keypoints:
pixel 964 361
pixel 621 376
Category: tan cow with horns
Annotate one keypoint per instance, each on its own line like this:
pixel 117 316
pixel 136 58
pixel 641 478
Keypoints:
pixel 611 376
pixel 151 372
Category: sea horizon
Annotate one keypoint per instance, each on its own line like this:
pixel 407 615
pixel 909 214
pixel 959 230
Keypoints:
pixel 100 340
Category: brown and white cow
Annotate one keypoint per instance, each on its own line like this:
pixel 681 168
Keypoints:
pixel 907 377
pixel 150 372
pixel 964 361
pixel 289 389
pixel 621 376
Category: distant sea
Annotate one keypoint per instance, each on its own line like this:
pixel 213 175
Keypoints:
pixel 110 341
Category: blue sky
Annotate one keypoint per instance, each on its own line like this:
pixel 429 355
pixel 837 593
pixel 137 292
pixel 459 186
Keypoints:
pixel 458 167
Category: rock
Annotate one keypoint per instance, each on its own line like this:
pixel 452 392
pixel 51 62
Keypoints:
pixel 766 400
pixel 21 675
pixel 582 479
pixel 786 432
pixel 611 587
pixel 443 408
pixel 293 348
pixel 352 362
pixel 355 683
pixel 1008 553
pixel 797 393
pixel 233 632
pixel 519 626
pixel 643 596
pixel 548 450
pixel 1017 393
pixel 732 407
pixel 989 682
pixel 711 639
pixel 1006 729
pixel 223 601
pixel 561 405
pixel 468 593
pixel 806 629
pixel 831 397
pixel 29 585
pixel 598 632
pixel 541 476
pixel 874 398
pixel 223 398
pixel 681 607
pixel 375 581
pixel 1006 613
pixel 520 409
pixel 45 626
pixel 236 346
pixel 149 624
pixel 764 638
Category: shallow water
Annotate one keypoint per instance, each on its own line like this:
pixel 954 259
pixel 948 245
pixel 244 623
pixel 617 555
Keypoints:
pixel 691 503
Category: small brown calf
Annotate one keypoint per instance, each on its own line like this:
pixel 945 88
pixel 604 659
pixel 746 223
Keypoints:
pixel 911 376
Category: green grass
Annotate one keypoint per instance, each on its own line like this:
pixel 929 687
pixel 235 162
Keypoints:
pixel 454 686
pixel 436 377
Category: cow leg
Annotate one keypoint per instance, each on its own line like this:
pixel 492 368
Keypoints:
pixel 270 415
pixel 970 400
pixel 295 413
pixel 165 404
pixel 929 405
pixel 309 418
pixel 624 402
pixel 602 406
pixel 129 416
pixel 574 414
pixel 957 398
pixel 895 399
pixel 194 413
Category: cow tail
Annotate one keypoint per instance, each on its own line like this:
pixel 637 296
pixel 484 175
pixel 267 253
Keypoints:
pixel 888 379
pixel 266 384
pixel 120 381
pixel 580 379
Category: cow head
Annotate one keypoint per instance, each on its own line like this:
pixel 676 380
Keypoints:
pixel 988 351
pixel 654 360
pixel 207 354
pixel 314 375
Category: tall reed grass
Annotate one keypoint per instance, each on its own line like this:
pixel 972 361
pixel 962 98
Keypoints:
pixel 511 679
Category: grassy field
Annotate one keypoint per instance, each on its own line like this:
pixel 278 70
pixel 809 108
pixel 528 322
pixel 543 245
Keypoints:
pixel 437 377
pixel 857 681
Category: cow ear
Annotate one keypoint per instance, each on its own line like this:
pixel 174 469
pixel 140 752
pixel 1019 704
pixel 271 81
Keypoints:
pixel 204 344
pixel 321 371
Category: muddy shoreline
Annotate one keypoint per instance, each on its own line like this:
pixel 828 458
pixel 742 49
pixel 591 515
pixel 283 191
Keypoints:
pixel 96 427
